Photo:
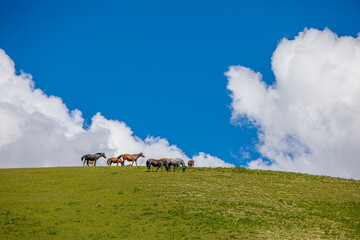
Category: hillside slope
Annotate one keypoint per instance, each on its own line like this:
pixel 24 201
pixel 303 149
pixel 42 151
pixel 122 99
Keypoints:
pixel 128 202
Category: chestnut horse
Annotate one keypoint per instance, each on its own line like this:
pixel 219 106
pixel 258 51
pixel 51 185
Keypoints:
pixel 90 163
pixel 132 158
pixel 116 160
pixel 239 167
pixel 191 163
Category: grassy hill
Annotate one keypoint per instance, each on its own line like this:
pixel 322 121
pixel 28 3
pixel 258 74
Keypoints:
pixel 130 203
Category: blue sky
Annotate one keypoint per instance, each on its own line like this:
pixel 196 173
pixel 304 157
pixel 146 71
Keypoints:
pixel 159 66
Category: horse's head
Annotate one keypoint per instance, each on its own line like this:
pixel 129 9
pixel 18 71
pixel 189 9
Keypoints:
pixel 167 165
pixel 191 163
pixel 103 155
pixel 184 167
pixel 141 155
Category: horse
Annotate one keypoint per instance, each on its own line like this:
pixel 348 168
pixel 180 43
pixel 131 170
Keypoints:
pixel 191 163
pixel 116 160
pixel 132 158
pixel 176 162
pixel 91 163
pixel 156 163
pixel 92 157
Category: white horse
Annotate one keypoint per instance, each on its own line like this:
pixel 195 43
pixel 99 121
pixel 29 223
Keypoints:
pixel 176 162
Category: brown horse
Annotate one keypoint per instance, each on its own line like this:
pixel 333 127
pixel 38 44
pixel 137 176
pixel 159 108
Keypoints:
pixel 90 163
pixel 239 167
pixel 191 163
pixel 116 160
pixel 132 158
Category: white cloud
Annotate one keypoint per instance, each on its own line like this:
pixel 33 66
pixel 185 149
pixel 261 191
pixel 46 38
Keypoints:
pixel 309 119
pixel 206 160
pixel 37 130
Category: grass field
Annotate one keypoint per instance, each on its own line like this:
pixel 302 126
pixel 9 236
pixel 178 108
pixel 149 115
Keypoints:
pixel 202 203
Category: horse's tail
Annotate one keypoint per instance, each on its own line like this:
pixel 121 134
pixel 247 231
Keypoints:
pixel 108 162
pixel 82 158
pixel 119 156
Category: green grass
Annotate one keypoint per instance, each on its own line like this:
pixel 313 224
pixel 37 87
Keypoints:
pixel 130 203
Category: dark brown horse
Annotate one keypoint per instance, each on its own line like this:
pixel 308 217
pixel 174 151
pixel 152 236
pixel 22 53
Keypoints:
pixel 156 163
pixel 132 158
pixel 191 163
pixel 116 160
pixel 92 158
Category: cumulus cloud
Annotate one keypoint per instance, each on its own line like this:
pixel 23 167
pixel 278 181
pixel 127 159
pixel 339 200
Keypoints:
pixel 37 130
pixel 309 119
pixel 206 160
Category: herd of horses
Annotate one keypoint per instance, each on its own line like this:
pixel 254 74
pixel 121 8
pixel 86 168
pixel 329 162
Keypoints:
pixel 163 162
